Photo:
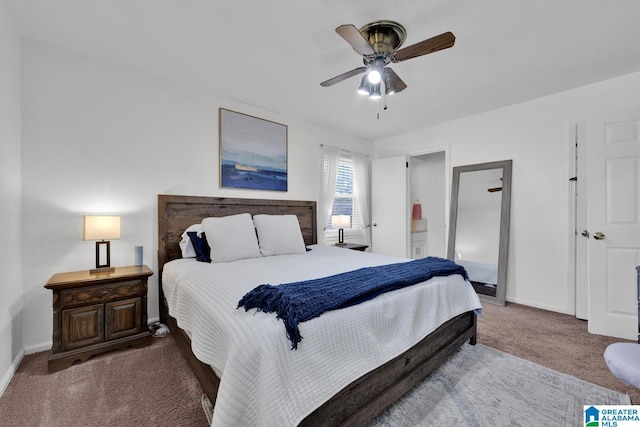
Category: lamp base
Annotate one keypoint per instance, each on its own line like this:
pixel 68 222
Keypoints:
pixel 103 258
pixel 102 270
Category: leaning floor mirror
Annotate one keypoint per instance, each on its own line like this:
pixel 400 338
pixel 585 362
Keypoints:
pixel 479 226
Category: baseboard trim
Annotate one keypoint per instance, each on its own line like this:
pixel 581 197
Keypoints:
pixel 46 346
pixel 540 306
pixel 38 348
pixel 11 372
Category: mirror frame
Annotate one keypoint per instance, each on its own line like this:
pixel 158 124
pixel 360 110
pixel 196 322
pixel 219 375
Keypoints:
pixel 505 218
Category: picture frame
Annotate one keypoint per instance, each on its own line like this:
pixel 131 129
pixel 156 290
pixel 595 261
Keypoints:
pixel 253 152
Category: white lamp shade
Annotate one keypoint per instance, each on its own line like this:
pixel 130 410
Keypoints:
pixel 340 221
pixel 97 227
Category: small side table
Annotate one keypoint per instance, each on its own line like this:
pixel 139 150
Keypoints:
pixel 353 246
pixel 97 312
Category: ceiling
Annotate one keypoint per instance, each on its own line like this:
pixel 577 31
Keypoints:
pixel 274 54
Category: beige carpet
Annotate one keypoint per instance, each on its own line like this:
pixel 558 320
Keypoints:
pixel 153 386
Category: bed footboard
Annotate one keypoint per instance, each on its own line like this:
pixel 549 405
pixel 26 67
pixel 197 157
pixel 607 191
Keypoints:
pixel 365 398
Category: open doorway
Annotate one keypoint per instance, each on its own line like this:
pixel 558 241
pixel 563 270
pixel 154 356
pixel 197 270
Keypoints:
pixel 428 204
pixel 394 191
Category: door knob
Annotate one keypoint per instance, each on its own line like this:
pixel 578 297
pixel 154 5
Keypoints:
pixel 598 236
pixel 585 233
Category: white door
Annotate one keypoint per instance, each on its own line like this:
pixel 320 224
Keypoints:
pixel 389 214
pixel 613 208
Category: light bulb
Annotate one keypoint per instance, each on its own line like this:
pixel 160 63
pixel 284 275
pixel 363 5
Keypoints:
pixel 374 77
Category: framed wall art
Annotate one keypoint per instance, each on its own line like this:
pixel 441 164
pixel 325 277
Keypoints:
pixel 253 152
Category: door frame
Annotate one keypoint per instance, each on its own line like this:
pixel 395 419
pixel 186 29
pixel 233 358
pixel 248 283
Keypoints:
pixel 577 277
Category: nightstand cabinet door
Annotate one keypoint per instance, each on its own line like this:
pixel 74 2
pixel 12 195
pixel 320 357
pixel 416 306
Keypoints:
pixel 83 326
pixel 123 318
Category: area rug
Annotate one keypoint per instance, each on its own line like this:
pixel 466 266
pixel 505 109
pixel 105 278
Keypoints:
pixel 481 386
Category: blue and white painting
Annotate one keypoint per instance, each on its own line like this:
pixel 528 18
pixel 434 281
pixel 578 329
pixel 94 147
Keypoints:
pixel 253 152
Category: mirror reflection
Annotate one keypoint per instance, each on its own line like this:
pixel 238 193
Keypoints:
pixel 479 225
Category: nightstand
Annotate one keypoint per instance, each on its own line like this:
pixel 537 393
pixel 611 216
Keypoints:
pixel 354 246
pixel 97 312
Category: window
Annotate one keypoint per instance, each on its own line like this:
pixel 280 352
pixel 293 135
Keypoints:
pixel 345 201
pixel 344 190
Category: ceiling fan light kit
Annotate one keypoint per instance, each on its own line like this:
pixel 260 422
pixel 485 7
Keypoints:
pixel 379 44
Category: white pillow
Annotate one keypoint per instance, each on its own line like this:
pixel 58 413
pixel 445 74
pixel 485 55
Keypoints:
pixel 185 244
pixel 231 237
pixel 279 234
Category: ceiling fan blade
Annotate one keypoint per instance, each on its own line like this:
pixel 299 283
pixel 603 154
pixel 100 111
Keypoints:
pixel 394 80
pixel 343 76
pixel 352 36
pixel 434 44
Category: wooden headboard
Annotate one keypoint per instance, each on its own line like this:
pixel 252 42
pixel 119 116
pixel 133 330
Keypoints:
pixel 176 213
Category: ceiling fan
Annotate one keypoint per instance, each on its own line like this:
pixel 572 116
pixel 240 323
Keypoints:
pixel 494 189
pixel 378 42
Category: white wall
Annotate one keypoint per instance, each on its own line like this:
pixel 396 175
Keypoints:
pixel 10 185
pixel 98 138
pixel 535 135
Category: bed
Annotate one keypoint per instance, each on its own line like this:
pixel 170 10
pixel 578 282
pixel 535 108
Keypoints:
pixel 361 398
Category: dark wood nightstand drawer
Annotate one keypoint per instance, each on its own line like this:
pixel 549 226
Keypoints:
pixel 101 293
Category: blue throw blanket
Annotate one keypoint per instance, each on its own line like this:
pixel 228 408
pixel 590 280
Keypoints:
pixel 299 301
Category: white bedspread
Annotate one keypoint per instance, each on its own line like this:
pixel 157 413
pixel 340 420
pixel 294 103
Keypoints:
pixel 263 382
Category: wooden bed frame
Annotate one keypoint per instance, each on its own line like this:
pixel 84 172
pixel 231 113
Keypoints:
pixel 362 400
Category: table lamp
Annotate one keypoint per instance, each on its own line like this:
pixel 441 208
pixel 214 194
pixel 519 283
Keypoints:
pixel 340 222
pixel 102 229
